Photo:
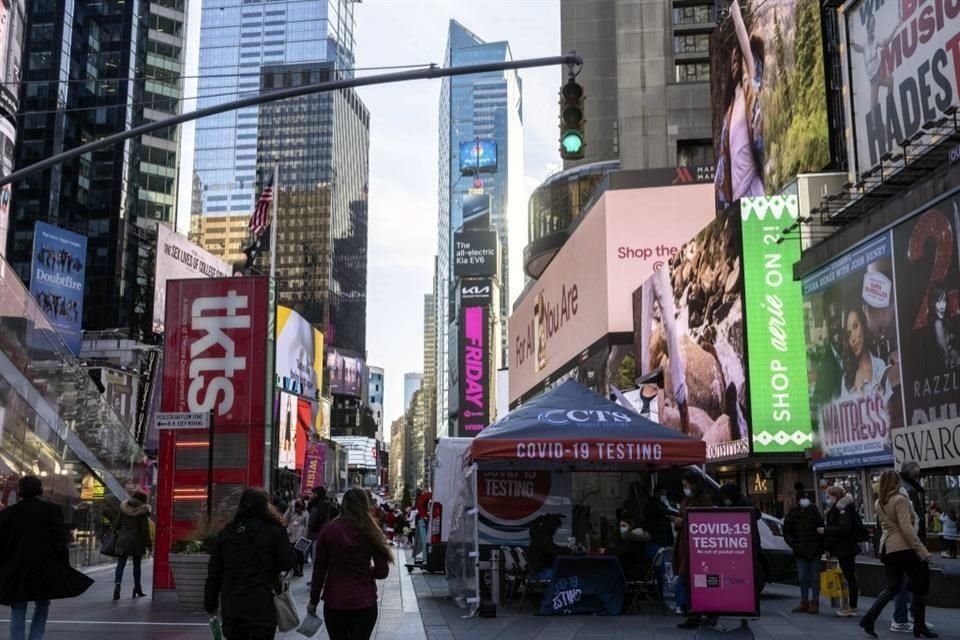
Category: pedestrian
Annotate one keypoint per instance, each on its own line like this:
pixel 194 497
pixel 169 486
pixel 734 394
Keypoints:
pixel 34 561
pixel 246 561
pixel 132 530
pixel 389 523
pixel 910 481
pixel 695 495
pixel 949 536
pixel 903 554
pixel 840 540
pixel 296 529
pixel 352 554
pixel 803 531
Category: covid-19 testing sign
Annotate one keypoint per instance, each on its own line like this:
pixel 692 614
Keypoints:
pixel 721 566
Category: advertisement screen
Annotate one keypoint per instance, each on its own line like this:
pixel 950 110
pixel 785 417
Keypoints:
pixel 346 373
pixel 57 279
pixel 927 250
pixel 294 426
pixel 720 542
pixel 689 322
pixel 509 502
pixel 853 353
pixel 314 463
pixel 179 259
pixel 779 403
pixel 479 155
pixel 475 374
pixel 903 68
pixel 769 97
pixel 581 297
pixel 299 362
pixel 476 211
pixel 475 253
pixel 361 452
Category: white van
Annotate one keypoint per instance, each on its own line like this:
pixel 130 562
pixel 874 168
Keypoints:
pixel 447 477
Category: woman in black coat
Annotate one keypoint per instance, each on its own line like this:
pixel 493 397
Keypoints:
pixel 841 542
pixel 245 566
pixel 132 529
pixel 34 563
pixel 803 531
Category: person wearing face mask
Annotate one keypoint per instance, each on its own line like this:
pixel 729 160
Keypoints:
pixel 841 542
pixel 803 531
pixel 695 495
pixel 631 550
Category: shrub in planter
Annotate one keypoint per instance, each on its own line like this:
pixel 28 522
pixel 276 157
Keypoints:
pixel 189 558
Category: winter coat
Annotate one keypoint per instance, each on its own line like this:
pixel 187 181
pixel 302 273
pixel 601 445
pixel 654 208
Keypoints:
pixel 680 549
pixel 34 564
pixel 657 524
pixel 839 532
pixel 297 526
pixel 800 531
pixel 321 512
pixel 245 565
pixel 346 568
pixel 133 528
pixel 917 497
pixel 899 524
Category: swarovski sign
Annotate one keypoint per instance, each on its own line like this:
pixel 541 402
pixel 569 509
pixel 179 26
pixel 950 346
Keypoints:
pixel 932 445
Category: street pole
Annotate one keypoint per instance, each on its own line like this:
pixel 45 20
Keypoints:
pixel 210 471
pixel 430 73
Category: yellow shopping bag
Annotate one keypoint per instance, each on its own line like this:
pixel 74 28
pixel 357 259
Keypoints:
pixel 831 583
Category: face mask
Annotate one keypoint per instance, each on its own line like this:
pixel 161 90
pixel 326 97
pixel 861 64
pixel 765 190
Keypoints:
pixel 727 502
pixel 624 530
pixel 687 491
pixel 804 502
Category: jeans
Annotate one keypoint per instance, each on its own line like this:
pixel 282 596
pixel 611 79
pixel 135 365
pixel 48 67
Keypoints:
pixel 849 567
pixel 18 620
pixel 808 571
pixel 682 594
pixel 898 566
pixel 901 603
pixel 350 624
pixel 122 564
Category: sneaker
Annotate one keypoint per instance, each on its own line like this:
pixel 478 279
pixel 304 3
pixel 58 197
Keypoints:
pixel 678 611
pixel 848 612
pixel 901 627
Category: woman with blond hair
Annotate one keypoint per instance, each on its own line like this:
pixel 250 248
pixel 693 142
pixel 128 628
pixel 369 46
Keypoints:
pixel 903 554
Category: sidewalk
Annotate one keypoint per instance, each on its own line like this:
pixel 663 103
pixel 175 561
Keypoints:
pixel 95 616
pixel 443 620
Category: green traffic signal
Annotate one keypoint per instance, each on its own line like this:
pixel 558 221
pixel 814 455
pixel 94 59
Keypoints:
pixel 572 123
pixel 572 142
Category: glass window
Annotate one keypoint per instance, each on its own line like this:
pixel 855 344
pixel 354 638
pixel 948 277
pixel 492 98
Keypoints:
pixel 691 153
pixel 692 71
pixel 698 14
pixel 691 43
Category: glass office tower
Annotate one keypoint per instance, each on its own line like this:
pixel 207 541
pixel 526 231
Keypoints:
pixel 487 106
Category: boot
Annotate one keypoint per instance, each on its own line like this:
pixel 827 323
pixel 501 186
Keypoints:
pixel 116 592
pixel 866 623
pixel 803 608
pixel 814 607
pixel 138 592
pixel 920 628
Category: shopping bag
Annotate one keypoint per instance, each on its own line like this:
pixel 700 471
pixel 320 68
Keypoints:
pixel 831 583
pixel 216 633
pixel 287 616
pixel 310 626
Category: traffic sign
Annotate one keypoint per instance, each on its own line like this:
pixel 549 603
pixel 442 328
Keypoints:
pixel 182 420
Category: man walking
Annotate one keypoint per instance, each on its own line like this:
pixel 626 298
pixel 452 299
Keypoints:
pixel 34 563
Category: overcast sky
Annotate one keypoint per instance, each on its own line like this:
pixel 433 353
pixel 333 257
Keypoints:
pixel 403 155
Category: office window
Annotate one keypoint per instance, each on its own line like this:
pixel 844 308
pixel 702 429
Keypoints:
pixel 691 153
pixel 692 43
pixel 693 71
pixel 698 14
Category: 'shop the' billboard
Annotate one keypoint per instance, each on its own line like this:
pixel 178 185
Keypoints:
pixel 57 280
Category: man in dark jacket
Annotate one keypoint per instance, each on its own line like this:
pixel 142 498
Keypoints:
pixel 542 550
pixel 803 531
pixel 34 564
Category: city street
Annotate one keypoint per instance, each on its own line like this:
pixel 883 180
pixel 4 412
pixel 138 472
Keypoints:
pixel 416 607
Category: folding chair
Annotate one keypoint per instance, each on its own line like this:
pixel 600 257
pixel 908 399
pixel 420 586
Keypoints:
pixel 648 585
pixel 528 580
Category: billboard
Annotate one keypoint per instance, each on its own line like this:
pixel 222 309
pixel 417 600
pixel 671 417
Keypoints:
pixel 688 320
pixel 585 292
pixel 295 425
pixel 903 66
pixel 179 259
pixel 57 279
pixel 476 292
pixel 853 353
pixel 475 253
pixel 510 501
pixel 927 274
pixel 299 362
pixel 361 452
pixel 474 372
pixel 314 467
pixel 769 97
pixel 347 376
pixel 476 211
pixel 478 156
pixel 777 362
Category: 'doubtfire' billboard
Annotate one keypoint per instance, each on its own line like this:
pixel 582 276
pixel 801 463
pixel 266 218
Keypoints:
pixel 57 279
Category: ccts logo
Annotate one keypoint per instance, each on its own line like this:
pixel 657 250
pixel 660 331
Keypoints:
pixel 582 416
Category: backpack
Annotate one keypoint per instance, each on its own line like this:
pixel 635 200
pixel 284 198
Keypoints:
pixel 860 531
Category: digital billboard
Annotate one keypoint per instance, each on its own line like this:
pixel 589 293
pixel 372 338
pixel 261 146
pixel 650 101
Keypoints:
pixel 295 424
pixel 476 211
pixel 177 259
pixel 347 376
pixel 769 97
pixel 689 321
pixel 777 364
pixel 299 349
pixel 903 72
pixel 475 371
pixel 853 353
pixel 475 253
pixel 478 156
pixel 57 280
pixel 361 452
pixel 585 292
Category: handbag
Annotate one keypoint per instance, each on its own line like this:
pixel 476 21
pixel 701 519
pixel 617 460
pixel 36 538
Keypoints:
pixel 108 546
pixel 287 616
pixel 831 583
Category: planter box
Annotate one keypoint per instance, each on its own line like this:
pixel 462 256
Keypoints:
pixel 189 576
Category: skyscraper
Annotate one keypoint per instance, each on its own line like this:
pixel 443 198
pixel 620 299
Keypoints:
pixel 484 106
pixel 411 384
pixel 319 143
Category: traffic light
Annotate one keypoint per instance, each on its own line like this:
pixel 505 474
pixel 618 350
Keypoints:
pixel 572 139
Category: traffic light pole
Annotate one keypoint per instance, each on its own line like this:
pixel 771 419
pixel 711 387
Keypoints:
pixel 430 73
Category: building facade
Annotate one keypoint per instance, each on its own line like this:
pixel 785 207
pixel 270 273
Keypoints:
pixel 375 397
pixel 412 382
pixel 646 77
pixel 474 107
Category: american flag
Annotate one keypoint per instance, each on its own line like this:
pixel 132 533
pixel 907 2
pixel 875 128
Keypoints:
pixel 260 219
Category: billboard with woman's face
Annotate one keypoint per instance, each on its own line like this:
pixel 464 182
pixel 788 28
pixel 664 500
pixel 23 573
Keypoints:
pixel 769 95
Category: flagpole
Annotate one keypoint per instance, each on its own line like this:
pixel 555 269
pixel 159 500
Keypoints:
pixel 273 223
